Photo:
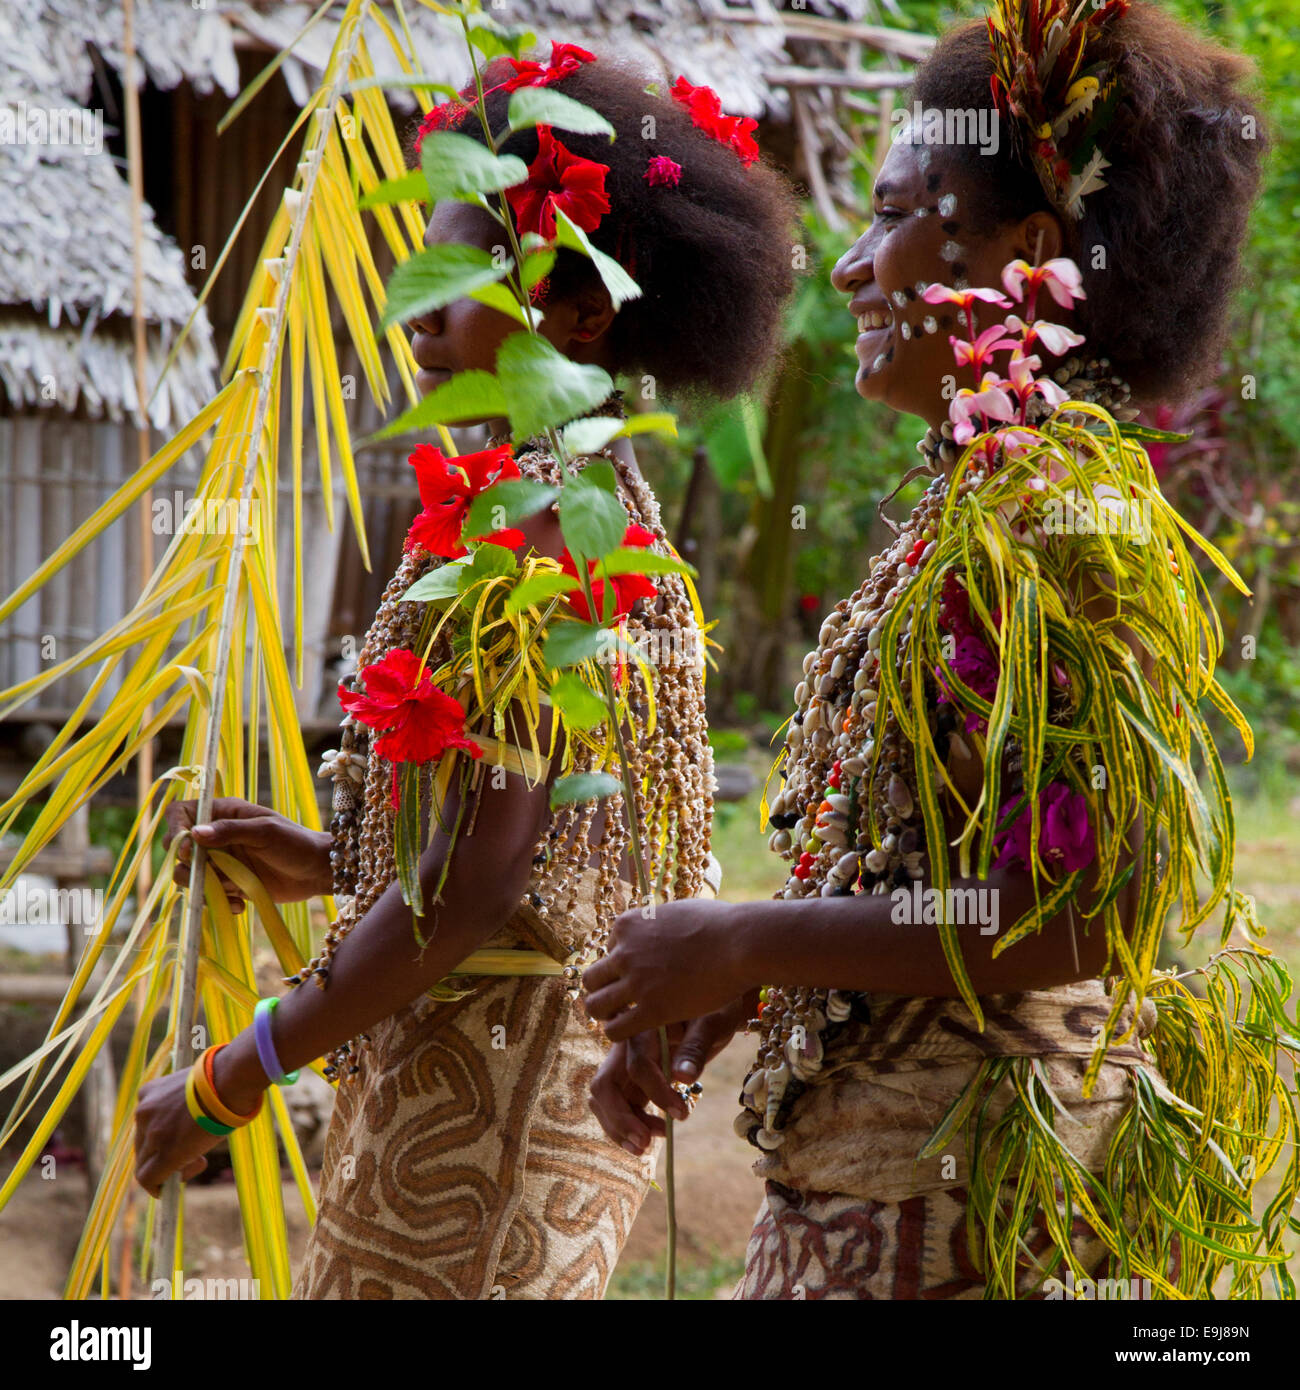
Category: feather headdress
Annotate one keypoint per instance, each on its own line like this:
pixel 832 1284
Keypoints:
pixel 1056 102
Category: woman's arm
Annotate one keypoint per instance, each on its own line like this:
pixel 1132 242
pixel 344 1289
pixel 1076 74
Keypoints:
pixel 695 956
pixel 378 967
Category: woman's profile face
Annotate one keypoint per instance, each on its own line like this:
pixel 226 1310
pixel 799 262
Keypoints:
pixel 921 235
pixel 464 335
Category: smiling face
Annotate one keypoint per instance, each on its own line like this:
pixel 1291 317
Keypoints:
pixel 465 335
pixel 921 234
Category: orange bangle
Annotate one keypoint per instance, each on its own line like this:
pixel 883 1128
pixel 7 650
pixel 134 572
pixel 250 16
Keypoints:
pixel 207 1092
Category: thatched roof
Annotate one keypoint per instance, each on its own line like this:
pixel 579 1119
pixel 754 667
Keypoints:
pixel 66 269
pixel 66 274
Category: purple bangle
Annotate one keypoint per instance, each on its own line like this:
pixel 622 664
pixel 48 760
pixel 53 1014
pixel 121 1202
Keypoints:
pixel 265 1047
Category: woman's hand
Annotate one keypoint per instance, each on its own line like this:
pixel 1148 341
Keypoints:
pixel 292 861
pixel 632 1076
pixel 166 1138
pixel 683 962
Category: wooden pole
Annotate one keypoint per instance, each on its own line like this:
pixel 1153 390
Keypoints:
pixel 144 760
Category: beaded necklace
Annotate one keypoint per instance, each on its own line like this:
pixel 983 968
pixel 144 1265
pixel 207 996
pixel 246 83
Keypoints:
pixel 671 763
pixel 825 815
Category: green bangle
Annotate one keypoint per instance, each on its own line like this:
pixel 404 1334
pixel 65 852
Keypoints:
pixel 265 1047
pixel 213 1126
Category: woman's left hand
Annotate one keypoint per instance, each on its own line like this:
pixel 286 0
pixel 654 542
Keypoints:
pixel 167 1140
pixel 680 963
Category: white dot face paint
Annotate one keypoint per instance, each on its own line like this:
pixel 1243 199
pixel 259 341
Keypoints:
pixel 947 205
pixel 907 331
pixel 923 157
pixel 930 323
pixel 961 283
pixel 920 212
pixel 899 298
pixel 879 362
pixel 952 251
pixel 922 286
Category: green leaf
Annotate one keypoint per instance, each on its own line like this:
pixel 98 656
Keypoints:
pixel 488 561
pixel 437 276
pixel 537 589
pixel 1146 433
pixel 494 40
pixel 592 518
pixel 505 503
pixel 617 281
pixel 441 583
pixel 581 707
pixel 733 436
pixel 537 263
pixel 542 387
pixel 531 106
pixel 409 188
pixel 503 300
pixel 407 840
pixel 583 786
pixel 631 559
pixel 652 422
pixel 570 644
pixel 457 167
pixel 468 397
pixel 590 435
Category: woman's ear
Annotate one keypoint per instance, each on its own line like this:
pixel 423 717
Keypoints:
pixel 593 312
pixel 1041 238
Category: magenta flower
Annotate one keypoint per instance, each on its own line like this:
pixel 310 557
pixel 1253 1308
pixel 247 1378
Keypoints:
pixel 662 172
pixel 1065 839
pixel 975 666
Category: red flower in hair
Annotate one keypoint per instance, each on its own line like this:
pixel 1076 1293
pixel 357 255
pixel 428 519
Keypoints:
pixel 566 59
pixel 419 722
pixel 557 178
pixel 705 108
pixel 447 488
pixel 441 117
pixel 628 588
pixel 663 172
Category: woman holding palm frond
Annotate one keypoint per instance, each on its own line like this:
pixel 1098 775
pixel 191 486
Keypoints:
pixel 462 1160
pixel 998 783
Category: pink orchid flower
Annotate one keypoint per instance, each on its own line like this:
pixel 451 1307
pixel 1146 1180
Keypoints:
pixel 980 353
pixel 1055 337
pixel 945 294
pixel 990 401
pixel 1063 279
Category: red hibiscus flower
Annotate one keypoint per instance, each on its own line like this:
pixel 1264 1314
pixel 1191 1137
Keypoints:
pixel 628 588
pixel 447 487
pixel 557 178
pixel 418 721
pixel 705 108
pixel 663 172
pixel 566 59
